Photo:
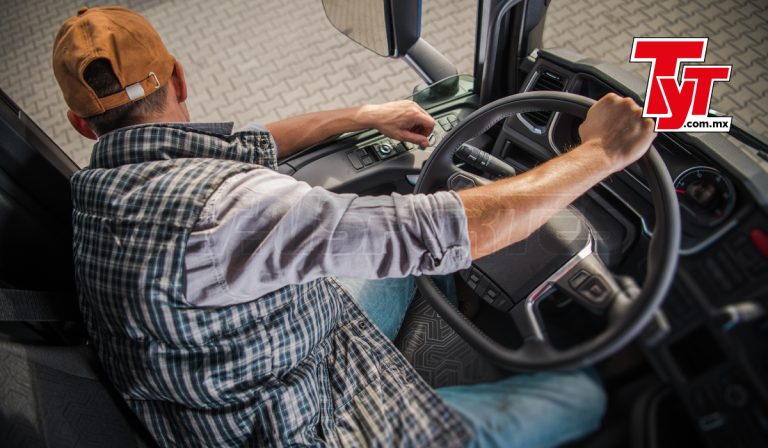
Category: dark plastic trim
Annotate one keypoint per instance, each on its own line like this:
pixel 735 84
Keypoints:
pixel 405 26
pixel 430 64
pixel 492 41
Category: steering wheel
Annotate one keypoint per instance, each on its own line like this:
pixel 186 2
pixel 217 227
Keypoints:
pixel 560 256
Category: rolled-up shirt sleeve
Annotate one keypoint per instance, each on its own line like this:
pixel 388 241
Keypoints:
pixel 262 230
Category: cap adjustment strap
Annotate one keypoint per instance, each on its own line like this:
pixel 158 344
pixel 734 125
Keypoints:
pixel 132 92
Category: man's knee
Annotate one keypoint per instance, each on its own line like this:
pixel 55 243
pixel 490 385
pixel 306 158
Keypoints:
pixel 586 396
pixel 574 402
pixel 538 410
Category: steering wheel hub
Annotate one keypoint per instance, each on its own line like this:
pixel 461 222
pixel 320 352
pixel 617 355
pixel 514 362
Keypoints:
pixel 517 270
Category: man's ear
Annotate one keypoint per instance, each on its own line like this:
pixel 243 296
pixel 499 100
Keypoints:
pixel 179 82
pixel 81 125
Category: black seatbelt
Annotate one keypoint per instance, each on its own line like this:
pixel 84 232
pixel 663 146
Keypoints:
pixel 19 305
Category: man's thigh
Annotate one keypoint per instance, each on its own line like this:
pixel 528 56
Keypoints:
pixel 536 410
pixel 385 301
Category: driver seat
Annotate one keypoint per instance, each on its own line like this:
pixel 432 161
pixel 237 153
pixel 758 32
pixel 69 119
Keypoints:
pixel 52 390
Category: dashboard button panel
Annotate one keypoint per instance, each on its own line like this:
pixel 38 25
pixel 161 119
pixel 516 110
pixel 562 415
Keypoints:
pixel 385 148
pixel 488 291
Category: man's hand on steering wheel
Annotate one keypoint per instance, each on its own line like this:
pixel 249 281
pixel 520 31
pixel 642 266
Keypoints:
pixel 614 135
pixel 614 126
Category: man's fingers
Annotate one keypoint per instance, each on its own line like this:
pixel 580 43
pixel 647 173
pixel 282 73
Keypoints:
pixel 424 124
pixel 406 121
pixel 648 124
pixel 413 137
pixel 421 118
pixel 419 129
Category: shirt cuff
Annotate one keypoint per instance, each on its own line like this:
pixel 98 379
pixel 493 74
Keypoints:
pixel 446 234
pixel 275 152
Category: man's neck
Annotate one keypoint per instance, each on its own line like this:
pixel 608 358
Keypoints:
pixel 177 114
pixel 160 118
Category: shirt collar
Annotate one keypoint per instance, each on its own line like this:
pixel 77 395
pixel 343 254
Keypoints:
pixel 223 128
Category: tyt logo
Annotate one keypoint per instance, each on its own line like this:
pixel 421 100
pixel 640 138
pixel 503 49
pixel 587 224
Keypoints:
pixel 680 103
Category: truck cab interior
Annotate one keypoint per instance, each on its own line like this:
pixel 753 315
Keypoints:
pixel 657 277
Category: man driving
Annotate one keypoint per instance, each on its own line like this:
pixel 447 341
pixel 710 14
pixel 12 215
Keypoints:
pixel 208 281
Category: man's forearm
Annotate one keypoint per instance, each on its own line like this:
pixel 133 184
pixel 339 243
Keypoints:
pixel 301 131
pixel 509 210
pixel 400 120
pixel 614 133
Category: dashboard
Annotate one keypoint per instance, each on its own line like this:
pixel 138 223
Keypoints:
pixel 711 340
pixel 710 204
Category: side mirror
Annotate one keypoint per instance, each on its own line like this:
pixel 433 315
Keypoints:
pixel 386 27
pixel 390 28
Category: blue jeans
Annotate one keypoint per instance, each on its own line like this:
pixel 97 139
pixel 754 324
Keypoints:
pixel 533 410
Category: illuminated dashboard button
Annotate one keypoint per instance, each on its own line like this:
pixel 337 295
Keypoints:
pixel 760 240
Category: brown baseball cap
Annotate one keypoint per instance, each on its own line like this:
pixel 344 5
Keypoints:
pixel 125 39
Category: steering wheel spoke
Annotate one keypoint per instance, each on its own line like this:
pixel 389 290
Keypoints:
pixel 528 322
pixel 623 299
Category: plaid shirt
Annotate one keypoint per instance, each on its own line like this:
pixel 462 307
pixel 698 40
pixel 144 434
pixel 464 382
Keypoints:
pixel 298 366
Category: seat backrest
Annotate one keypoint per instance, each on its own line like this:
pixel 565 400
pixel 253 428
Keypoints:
pixel 53 397
pixel 35 206
pixel 52 391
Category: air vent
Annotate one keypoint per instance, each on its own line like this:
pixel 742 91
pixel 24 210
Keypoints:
pixel 546 80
